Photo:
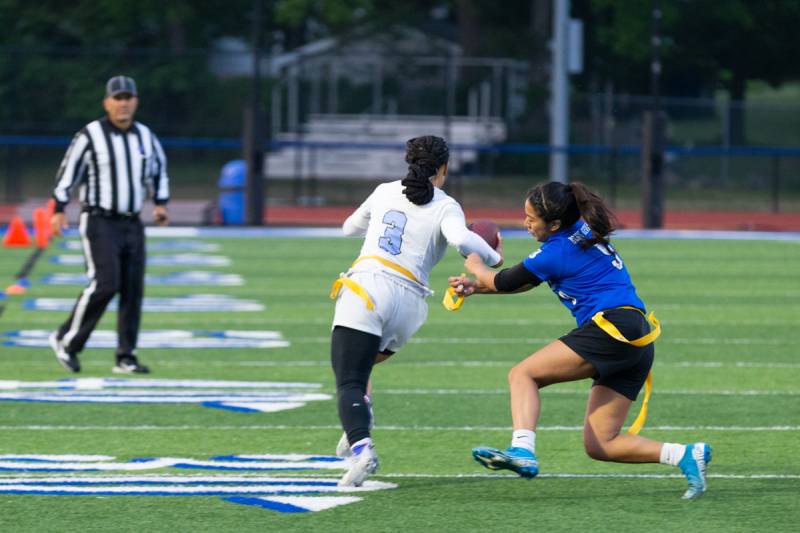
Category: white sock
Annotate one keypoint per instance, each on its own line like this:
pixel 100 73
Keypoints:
pixel 671 454
pixel 524 438
pixel 366 441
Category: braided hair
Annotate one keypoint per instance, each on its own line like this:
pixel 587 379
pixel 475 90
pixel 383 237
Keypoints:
pixel 424 156
pixel 567 203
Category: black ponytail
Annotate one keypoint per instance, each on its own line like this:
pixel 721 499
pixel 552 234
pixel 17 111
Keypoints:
pixel 567 203
pixel 424 155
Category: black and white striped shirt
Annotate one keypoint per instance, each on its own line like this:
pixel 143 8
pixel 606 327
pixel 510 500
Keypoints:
pixel 114 168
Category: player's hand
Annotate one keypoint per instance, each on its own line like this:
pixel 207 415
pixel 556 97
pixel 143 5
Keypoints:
pixel 499 250
pixel 462 285
pixel 160 215
pixel 58 222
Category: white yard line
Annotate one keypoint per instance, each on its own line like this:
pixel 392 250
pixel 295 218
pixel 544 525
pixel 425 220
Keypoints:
pixel 676 392
pixel 400 361
pixel 463 363
pixel 747 341
pixel 564 322
pixel 279 427
pixel 223 478
pixel 510 234
pixel 597 476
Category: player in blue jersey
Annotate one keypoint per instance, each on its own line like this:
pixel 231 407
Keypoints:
pixel 613 343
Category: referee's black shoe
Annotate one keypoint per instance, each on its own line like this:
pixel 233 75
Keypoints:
pixel 129 364
pixel 66 359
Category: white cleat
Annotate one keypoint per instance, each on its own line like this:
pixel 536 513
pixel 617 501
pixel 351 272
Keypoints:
pixel 364 463
pixel 343 447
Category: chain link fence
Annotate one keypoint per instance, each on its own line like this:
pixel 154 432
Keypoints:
pixel 720 155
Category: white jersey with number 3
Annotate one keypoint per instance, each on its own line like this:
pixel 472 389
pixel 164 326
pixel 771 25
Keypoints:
pixel 413 236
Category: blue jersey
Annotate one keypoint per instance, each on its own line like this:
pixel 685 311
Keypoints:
pixel 586 281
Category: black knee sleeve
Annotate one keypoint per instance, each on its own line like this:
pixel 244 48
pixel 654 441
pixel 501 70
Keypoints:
pixel 352 357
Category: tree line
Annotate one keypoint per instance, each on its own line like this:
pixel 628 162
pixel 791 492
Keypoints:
pixel 54 55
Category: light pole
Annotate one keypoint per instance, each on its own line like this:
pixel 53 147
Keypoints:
pixel 559 93
pixel 253 132
pixel 654 127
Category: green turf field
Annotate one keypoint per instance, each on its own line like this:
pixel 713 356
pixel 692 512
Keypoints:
pixel 726 372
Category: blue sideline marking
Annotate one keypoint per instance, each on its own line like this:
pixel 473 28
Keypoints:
pixel 267 504
pixel 189 483
pixel 101 492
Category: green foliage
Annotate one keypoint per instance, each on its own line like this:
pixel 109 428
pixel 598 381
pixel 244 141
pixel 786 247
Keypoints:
pixel 705 43
pixel 55 55
pixel 337 15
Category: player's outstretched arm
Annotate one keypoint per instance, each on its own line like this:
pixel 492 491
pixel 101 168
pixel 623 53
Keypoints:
pixel 488 281
pixel 463 285
pixel 484 276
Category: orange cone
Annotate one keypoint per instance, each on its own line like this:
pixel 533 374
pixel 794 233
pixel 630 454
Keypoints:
pixel 41 227
pixel 15 290
pixel 16 234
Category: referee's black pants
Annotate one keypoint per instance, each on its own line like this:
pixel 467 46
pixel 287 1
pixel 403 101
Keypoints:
pixel 115 264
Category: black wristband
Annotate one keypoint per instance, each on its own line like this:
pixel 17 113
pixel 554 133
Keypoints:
pixel 516 277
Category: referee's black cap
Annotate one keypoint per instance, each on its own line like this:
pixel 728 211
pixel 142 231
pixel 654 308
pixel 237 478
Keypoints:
pixel 120 85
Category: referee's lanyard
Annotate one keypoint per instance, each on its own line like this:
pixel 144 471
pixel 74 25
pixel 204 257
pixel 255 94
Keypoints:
pixel 655 330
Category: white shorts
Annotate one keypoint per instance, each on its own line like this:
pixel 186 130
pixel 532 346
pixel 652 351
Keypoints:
pixel 400 308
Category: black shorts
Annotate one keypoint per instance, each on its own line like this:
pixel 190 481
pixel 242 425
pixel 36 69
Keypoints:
pixel 620 366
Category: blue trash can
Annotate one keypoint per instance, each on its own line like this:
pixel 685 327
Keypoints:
pixel 231 197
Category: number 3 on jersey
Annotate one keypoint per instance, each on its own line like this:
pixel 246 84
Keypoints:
pixel 392 238
pixel 607 249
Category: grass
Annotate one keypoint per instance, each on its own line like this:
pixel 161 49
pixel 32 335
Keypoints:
pixel 726 365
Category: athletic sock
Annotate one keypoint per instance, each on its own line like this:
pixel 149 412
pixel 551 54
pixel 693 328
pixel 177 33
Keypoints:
pixel 358 446
pixel 524 438
pixel 671 454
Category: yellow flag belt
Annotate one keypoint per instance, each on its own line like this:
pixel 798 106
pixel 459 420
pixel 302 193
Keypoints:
pixel 358 289
pixel 655 330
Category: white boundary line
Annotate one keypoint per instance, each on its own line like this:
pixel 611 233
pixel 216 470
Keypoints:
pixel 481 364
pixel 315 232
pixel 400 362
pixel 323 476
pixel 596 476
pixel 280 427
pixel 741 341
pixel 188 479
pixel 593 476
pixel 676 392
pixel 564 391
pixel 564 322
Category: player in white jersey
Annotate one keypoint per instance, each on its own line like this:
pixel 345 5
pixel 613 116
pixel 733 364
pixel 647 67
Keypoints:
pixel 407 226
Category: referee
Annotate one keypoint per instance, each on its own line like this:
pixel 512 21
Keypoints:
pixel 113 160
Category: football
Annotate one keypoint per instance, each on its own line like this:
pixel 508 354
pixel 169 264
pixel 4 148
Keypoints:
pixel 488 231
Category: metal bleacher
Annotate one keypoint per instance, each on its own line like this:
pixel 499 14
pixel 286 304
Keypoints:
pixel 370 146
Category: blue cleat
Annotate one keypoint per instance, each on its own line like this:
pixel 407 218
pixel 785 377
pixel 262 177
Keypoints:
pixel 693 465
pixel 519 460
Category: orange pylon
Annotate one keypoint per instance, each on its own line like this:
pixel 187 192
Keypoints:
pixel 41 227
pixel 17 234
pixel 15 290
